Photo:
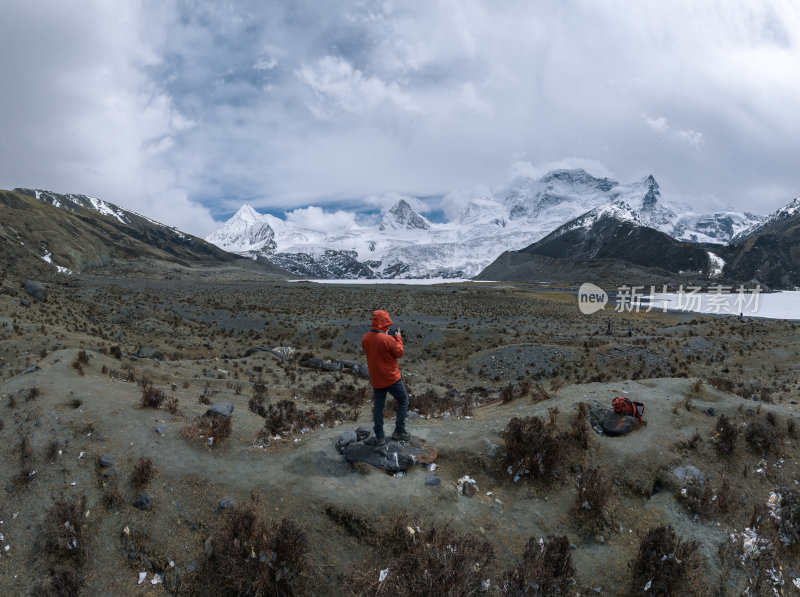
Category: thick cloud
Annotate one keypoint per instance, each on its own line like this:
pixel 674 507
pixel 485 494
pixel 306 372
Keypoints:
pixel 185 110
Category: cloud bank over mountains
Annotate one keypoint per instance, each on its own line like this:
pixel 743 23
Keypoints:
pixel 185 110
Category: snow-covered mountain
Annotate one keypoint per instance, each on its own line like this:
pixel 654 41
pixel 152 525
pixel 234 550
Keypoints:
pixel 246 233
pixel 405 244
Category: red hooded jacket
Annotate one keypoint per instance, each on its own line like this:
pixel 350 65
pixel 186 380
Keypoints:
pixel 382 352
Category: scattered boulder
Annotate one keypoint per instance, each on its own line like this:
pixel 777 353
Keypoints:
pixel 36 289
pixel 615 424
pixel 683 472
pixel 353 367
pixel 432 480
pixel 221 409
pixel 470 488
pixel 363 433
pixel 225 502
pixel 314 362
pixel 105 461
pixel 142 502
pixel 287 353
pixel 150 353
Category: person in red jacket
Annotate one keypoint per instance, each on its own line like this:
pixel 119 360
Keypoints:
pixel 383 348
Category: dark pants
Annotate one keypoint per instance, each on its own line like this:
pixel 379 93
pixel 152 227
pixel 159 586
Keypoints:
pixel 398 392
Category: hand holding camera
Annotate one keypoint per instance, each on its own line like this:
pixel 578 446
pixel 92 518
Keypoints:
pixel 394 331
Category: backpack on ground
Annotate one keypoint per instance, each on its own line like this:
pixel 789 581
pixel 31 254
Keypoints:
pixel 624 406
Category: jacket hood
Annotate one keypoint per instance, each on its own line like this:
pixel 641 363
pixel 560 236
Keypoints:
pixel 381 319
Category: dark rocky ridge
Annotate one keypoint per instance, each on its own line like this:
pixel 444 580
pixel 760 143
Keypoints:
pixel 608 250
pixel 75 235
pixel 770 253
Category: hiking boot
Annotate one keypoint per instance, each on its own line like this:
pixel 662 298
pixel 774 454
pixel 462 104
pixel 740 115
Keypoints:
pixel 401 435
pixel 380 440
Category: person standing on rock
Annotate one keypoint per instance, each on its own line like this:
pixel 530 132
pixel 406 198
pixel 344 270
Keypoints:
pixel 383 348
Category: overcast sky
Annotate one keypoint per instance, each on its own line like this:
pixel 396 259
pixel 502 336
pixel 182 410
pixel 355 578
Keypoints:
pixel 182 111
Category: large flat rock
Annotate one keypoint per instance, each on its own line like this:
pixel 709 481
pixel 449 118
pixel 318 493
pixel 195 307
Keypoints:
pixel 393 456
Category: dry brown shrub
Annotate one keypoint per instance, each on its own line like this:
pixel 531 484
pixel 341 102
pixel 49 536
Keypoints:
pixel 664 575
pixel 63 582
pixel 203 427
pixel 252 557
pixel 437 561
pixel 531 447
pixel 172 405
pixel 151 397
pixel 593 493
pixel 546 569
pixel 143 472
pixel 62 533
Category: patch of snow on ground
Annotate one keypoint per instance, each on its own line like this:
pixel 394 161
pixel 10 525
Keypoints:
pixel 61 270
pixel 104 209
pixel 717 263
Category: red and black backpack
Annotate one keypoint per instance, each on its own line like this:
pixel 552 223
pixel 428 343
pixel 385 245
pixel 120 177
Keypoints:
pixel 624 406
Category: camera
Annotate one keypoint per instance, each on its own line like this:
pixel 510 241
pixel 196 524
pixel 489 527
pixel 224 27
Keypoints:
pixel 393 331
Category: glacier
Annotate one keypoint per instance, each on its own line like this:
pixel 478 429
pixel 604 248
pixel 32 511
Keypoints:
pixel 405 244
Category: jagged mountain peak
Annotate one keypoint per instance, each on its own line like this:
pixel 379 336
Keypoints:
pixel 247 213
pixel 403 217
pixel 653 194
pixel 577 176
pixel 246 232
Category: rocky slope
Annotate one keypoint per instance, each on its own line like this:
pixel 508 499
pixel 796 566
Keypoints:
pixel 769 252
pixel 48 233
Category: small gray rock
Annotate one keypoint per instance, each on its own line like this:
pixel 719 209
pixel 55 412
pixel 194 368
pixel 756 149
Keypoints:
pixel 432 480
pixel 209 373
pixel 221 409
pixel 315 362
pixel 24 302
pixel 142 502
pixel 682 472
pixel 106 461
pixel 160 430
pixel 225 502
pixel 345 439
pixel 192 565
pixel 209 547
pixel 363 432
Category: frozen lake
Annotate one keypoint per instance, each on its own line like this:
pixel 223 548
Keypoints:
pixel 775 305
pixel 409 281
